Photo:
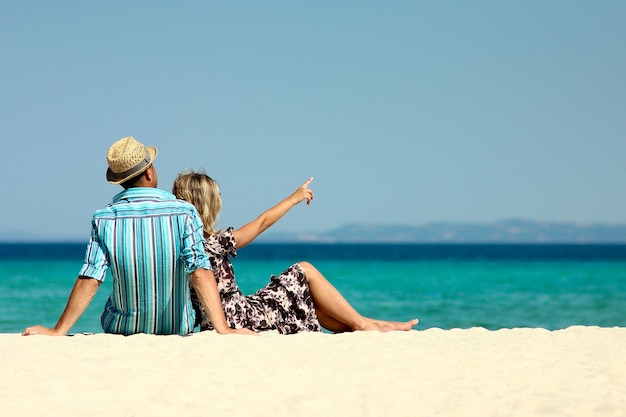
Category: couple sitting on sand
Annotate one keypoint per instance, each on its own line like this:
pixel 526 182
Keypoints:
pixel 171 269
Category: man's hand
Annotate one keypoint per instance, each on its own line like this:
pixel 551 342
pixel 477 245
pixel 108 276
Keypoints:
pixel 243 331
pixel 29 331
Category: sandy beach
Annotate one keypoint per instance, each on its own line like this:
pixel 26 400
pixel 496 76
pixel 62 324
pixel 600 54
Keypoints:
pixel 579 371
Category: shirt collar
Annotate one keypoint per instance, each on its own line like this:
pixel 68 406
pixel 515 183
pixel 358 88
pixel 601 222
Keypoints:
pixel 143 192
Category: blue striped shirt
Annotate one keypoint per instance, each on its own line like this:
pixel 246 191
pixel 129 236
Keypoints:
pixel 151 242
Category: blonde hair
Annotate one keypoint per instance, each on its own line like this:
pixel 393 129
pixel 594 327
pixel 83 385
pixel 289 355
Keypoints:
pixel 203 192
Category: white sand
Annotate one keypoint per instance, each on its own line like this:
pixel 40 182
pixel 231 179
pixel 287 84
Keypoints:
pixel 579 371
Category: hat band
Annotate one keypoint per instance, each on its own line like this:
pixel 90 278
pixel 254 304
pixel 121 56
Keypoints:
pixel 141 166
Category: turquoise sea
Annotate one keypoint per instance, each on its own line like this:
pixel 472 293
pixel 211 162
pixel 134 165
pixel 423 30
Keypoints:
pixel 445 286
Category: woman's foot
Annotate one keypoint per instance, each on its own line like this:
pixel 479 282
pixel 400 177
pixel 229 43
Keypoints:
pixel 386 326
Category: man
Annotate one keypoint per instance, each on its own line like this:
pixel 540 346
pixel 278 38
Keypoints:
pixel 153 245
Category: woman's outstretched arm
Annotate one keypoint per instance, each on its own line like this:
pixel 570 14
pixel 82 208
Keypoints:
pixel 247 233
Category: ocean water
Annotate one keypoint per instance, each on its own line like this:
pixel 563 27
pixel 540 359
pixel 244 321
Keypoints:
pixel 445 286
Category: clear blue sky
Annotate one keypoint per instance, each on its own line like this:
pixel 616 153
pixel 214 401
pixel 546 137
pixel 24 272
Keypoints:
pixel 403 111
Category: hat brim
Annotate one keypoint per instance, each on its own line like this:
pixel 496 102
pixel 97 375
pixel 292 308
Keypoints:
pixel 114 178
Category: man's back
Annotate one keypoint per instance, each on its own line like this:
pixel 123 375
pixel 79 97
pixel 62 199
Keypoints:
pixel 149 240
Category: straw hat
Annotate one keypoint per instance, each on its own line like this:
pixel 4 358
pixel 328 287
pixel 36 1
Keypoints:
pixel 127 159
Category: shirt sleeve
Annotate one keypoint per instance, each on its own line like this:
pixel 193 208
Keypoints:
pixel 193 245
pixel 96 261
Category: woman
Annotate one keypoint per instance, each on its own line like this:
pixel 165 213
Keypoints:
pixel 300 299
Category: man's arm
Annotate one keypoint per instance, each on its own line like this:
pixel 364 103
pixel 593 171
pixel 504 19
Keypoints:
pixel 204 283
pixel 83 292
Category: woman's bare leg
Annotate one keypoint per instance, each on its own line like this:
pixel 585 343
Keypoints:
pixel 330 304
pixel 330 323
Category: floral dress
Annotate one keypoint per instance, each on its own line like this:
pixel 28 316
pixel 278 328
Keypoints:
pixel 284 304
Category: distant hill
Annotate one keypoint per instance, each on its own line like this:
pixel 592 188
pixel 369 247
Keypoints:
pixel 506 231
